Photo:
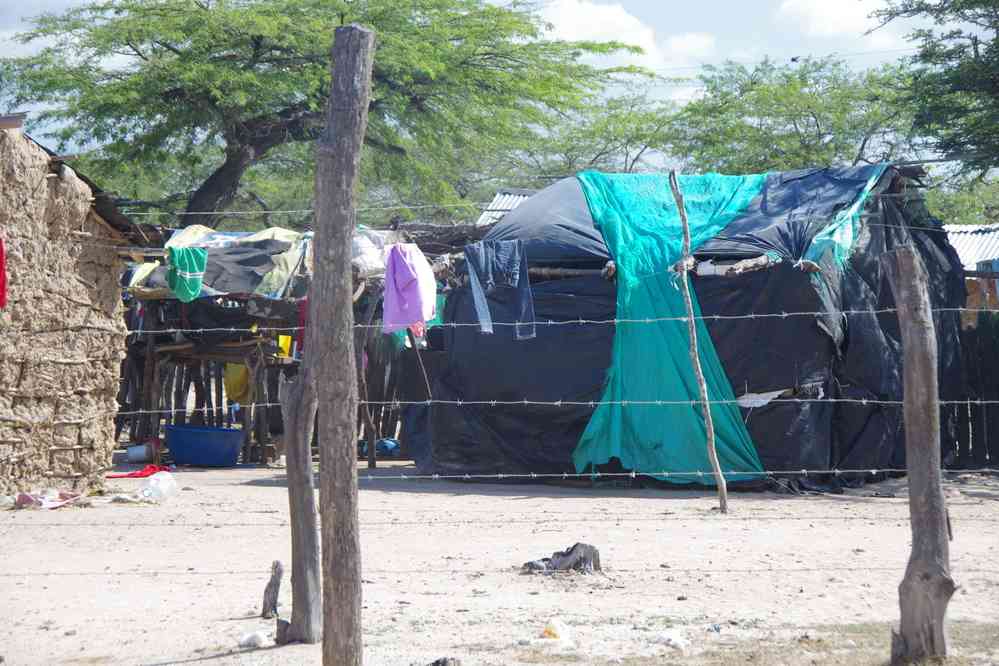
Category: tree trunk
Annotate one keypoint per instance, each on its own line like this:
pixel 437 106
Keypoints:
pixel 331 341
pixel 927 586
pixel 298 402
pixel 220 188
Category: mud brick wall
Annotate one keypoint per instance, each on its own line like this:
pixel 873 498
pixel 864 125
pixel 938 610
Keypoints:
pixel 62 334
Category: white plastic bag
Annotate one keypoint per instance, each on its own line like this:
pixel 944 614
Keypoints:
pixel 158 488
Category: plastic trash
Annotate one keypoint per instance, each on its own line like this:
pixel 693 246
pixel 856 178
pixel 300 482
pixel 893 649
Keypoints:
pixel 388 447
pixel 254 640
pixel 672 638
pixel 556 629
pixel 159 487
pixel 385 448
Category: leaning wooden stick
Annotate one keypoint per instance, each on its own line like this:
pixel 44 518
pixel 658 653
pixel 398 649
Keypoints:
pixel 684 266
pixel 271 592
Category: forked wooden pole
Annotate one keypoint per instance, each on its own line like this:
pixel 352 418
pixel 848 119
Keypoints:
pixel 684 266
pixel 927 586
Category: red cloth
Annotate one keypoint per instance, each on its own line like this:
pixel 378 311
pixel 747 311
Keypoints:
pixel 3 276
pixel 148 470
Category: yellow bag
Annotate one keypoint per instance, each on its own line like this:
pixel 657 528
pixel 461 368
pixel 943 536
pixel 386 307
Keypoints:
pixel 237 382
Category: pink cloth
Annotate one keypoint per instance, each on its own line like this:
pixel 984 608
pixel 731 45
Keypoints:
pixel 410 288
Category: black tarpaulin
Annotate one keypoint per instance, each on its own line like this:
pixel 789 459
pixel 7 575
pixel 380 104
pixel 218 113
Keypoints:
pixel 556 227
pixel 565 362
pixel 811 357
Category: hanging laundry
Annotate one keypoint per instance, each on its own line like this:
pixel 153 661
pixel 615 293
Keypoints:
pixel 186 271
pixel 3 276
pixel 496 264
pixel 410 288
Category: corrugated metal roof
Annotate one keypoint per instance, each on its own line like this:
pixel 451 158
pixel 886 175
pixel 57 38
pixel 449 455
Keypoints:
pixel 504 201
pixel 974 242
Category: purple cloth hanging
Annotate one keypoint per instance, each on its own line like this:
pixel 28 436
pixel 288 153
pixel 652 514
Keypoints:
pixel 410 288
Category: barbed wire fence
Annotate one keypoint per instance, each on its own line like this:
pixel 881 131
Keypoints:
pixel 700 476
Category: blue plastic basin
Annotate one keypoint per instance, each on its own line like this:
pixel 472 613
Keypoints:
pixel 202 446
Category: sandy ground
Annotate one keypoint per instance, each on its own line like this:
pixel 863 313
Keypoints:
pixel 781 579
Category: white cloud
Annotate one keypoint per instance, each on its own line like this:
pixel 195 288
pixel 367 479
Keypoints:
pixel 690 45
pixel 587 20
pixel 840 18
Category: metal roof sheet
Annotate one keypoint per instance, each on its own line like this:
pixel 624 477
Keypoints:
pixel 503 202
pixel 974 242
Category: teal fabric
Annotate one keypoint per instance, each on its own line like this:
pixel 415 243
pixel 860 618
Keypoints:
pixel 186 271
pixel 641 226
pixel 838 238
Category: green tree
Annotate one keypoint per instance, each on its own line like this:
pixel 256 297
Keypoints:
pixel 972 202
pixel 751 119
pixel 223 84
pixel 621 133
pixel 955 86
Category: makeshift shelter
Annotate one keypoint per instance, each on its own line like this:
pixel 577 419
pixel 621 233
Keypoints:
pixel 606 382
pixel 61 324
pixel 221 335
pixel 978 248
pixel 230 336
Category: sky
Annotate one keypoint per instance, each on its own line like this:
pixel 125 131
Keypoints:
pixel 676 36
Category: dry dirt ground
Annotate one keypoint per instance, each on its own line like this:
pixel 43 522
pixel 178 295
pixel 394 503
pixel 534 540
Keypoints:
pixel 781 579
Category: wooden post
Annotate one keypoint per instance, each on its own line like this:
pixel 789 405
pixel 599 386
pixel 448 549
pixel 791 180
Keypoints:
pixel 331 340
pixel 198 380
pixel 684 266
pixel 179 397
pixel 361 339
pixel 261 413
pixel 205 370
pixel 146 391
pixel 155 401
pixel 298 403
pixel 927 586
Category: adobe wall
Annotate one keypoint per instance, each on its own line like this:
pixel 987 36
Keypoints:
pixel 62 334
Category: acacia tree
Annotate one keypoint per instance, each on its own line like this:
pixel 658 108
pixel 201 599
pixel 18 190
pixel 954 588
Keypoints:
pixel 751 119
pixel 621 133
pixel 955 85
pixel 144 82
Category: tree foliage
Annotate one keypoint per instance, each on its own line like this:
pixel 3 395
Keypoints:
pixel 216 86
pixel 972 202
pixel 955 86
pixel 751 119
pixel 620 133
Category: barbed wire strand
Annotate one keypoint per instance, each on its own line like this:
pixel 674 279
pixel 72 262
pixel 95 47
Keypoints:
pixel 955 567
pixel 548 520
pixel 396 404
pixel 547 322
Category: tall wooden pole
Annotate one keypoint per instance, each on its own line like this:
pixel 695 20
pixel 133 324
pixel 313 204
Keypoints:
pixel 338 162
pixel 695 360
pixel 927 586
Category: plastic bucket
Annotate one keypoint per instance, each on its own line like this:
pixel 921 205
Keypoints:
pixel 202 446
pixel 139 453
